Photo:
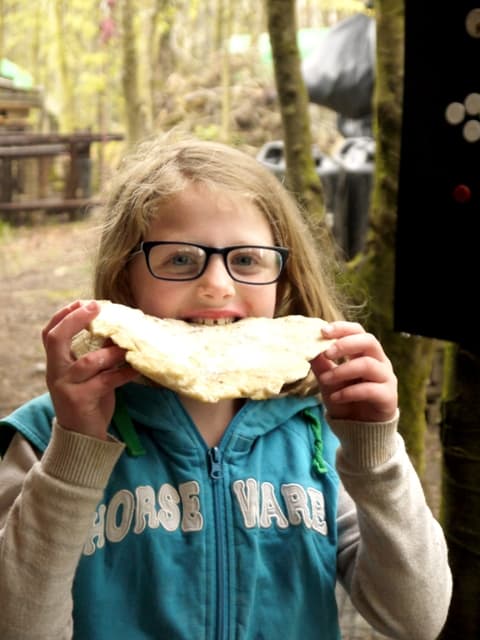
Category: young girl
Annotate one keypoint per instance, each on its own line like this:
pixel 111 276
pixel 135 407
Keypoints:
pixel 223 520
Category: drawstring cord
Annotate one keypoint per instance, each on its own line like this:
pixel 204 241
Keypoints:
pixel 127 432
pixel 126 429
pixel 315 422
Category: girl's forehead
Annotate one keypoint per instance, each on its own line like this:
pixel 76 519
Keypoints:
pixel 213 195
pixel 199 201
pixel 202 214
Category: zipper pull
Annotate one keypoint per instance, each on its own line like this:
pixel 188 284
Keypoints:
pixel 215 458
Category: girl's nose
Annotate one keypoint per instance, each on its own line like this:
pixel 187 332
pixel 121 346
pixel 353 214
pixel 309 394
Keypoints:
pixel 215 280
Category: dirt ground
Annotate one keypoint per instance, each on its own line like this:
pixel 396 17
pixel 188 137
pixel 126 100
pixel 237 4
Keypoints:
pixel 47 265
pixel 42 267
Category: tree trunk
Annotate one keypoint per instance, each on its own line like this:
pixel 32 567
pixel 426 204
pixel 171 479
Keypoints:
pixel 460 489
pixel 226 71
pixel 302 177
pixel 134 110
pixel 160 52
pixel 373 271
pixel 218 25
pixel 2 28
pixel 67 117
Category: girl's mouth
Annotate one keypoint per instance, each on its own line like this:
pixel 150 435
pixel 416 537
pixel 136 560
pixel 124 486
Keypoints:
pixel 210 322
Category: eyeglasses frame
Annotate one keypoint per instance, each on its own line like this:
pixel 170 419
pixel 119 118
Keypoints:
pixel 146 246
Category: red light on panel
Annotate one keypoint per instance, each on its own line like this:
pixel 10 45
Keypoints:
pixel 462 193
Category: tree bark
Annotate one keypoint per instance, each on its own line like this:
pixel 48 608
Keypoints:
pixel 461 488
pixel 373 271
pixel 302 178
pixel 226 27
pixel 134 110
pixel 2 28
pixel 67 118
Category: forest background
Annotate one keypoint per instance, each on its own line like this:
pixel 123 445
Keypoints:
pixel 137 67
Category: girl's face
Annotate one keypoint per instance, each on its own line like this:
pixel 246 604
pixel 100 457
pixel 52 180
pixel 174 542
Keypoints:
pixel 212 219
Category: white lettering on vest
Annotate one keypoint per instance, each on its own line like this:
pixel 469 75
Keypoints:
pixel 259 505
pixel 119 515
pixel 146 512
pixel 247 497
pixel 318 511
pixel 97 532
pixel 296 500
pixel 173 508
pixel 192 518
pixel 169 514
pixel 270 508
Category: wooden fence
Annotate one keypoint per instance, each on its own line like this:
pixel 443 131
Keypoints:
pixel 26 161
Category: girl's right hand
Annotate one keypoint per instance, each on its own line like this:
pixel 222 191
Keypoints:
pixel 83 390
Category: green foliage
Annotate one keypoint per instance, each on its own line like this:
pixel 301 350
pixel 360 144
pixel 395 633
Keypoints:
pixel 83 74
pixel 207 132
pixel 32 41
pixel 5 230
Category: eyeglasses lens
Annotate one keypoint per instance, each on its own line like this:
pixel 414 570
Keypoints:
pixel 254 264
pixel 257 265
pixel 176 261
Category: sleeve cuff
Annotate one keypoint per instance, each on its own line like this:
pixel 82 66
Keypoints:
pixel 365 445
pixel 80 460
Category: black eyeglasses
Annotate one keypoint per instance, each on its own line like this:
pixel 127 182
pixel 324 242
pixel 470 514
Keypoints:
pixel 249 264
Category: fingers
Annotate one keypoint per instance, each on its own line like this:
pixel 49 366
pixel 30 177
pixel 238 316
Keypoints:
pixel 341 328
pixel 58 333
pixel 57 338
pixel 365 368
pixel 335 330
pixel 87 407
pixel 91 364
pixel 70 320
pixel 355 376
pixel 321 364
pixel 351 340
pixel 92 377
pixel 58 317
pixel 82 390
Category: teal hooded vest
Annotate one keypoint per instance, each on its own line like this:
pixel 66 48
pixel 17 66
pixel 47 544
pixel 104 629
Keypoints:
pixel 235 542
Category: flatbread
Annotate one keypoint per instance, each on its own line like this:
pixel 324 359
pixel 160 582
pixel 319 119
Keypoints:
pixel 250 358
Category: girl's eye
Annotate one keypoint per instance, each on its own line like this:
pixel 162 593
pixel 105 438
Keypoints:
pixel 245 261
pixel 182 259
pixel 170 263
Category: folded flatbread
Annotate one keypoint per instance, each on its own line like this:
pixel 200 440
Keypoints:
pixel 250 358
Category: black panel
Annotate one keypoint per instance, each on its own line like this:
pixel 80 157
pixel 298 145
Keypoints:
pixel 438 244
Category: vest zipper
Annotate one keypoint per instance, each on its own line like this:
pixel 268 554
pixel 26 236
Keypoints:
pixel 216 474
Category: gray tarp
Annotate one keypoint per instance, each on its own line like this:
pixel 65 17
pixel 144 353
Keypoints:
pixel 340 73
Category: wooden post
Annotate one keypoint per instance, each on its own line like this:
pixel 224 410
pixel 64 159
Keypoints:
pixel 6 180
pixel 44 167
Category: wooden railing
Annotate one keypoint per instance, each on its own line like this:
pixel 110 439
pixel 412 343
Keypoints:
pixel 20 148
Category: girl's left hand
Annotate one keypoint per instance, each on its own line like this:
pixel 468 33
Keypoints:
pixel 356 378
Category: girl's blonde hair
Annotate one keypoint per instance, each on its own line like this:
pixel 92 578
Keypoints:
pixel 162 167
